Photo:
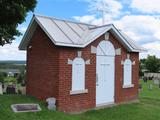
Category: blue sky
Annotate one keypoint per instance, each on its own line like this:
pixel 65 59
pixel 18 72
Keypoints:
pixel 139 19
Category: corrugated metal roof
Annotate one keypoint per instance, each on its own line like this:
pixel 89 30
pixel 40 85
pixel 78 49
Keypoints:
pixel 73 34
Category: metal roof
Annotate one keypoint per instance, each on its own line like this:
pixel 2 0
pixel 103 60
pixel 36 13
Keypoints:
pixel 73 34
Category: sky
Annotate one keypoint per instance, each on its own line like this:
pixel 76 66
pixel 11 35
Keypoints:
pixel 139 19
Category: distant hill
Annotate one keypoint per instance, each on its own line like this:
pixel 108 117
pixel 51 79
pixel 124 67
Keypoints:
pixel 13 62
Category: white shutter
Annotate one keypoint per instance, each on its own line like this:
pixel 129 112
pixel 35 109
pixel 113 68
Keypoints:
pixel 127 72
pixel 78 74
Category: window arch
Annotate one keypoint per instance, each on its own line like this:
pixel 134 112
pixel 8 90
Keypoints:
pixel 105 48
pixel 78 74
pixel 127 73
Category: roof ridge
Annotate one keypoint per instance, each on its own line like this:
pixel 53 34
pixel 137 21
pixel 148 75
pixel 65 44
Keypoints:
pixel 49 17
pixel 102 26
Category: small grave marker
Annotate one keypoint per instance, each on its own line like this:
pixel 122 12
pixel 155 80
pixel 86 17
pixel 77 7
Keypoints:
pixel 150 87
pixel 25 108
pixel 1 89
pixel 51 103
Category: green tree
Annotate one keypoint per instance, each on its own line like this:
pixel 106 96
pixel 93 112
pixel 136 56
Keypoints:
pixel 2 76
pixel 10 80
pixel 12 13
pixel 152 64
pixel 142 67
pixel 21 77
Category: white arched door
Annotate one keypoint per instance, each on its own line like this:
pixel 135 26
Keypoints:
pixel 105 73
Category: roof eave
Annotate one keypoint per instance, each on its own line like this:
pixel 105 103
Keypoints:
pixel 21 45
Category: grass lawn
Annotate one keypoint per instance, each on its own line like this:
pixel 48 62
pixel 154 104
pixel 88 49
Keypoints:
pixel 147 109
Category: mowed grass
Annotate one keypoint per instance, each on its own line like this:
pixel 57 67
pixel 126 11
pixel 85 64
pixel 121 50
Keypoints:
pixel 147 109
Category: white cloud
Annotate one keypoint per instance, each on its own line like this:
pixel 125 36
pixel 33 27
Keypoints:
pixel 153 49
pixel 146 6
pixel 145 30
pixel 157 35
pixel 139 23
pixel 150 52
pixel 22 29
pixel 112 10
pixel 11 52
pixel 90 19
pixel 111 7
pixel 85 19
pixel 153 46
pixel 140 27
pixel 132 35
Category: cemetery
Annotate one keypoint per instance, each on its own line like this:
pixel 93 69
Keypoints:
pixel 80 60
pixel 152 76
pixel 149 101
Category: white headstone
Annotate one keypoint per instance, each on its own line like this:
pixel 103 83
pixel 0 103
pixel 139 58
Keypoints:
pixel 1 89
pixel 51 103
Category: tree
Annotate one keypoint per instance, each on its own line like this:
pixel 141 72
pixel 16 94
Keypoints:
pixel 2 76
pixel 152 64
pixel 12 13
pixel 9 80
pixel 142 67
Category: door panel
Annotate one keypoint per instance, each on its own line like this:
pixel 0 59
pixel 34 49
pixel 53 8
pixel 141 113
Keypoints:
pixel 105 80
pixel 105 68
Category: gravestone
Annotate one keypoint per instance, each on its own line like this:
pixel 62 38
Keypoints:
pixel 51 103
pixel 150 87
pixel 10 89
pixel 26 107
pixel 1 89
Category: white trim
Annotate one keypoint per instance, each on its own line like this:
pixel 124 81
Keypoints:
pixel 70 62
pixel 93 50
pixel 134 62
pixel 122 62
pixel 79 54
pixel 87 62
pixel 78 74
pixel 106 36
pixel 105 57
pixel 128 56
pixel 26 34
pixel 75 92
pixel 128 86
pixel 118 51
pixel 127 72
pixel 104 104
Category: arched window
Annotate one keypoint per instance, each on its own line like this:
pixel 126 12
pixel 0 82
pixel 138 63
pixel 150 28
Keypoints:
pixel 78 74
pixel 127 73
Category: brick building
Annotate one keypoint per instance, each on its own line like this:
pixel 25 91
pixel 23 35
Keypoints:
pixel 83 66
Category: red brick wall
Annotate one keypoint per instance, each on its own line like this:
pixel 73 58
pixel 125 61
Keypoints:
pixel 121 94
pixel 71 103
pixel 55 74
pixel 42 67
